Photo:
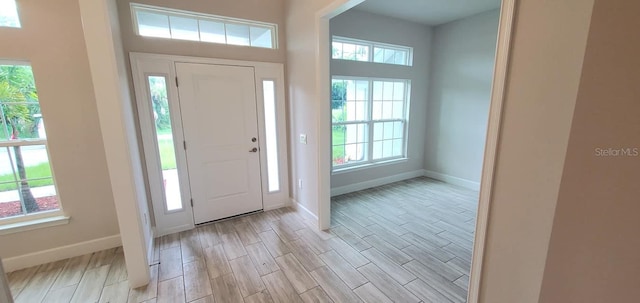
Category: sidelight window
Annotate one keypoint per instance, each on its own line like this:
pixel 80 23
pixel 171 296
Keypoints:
pixel 166 144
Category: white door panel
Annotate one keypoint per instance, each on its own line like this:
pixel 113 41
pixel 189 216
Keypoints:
pixel 219 119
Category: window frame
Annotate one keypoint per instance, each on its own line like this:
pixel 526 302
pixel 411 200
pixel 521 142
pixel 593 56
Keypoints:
pixel 372 45
pixel 169 12
pixel 369 121
pixel 40 218
pixel 17 15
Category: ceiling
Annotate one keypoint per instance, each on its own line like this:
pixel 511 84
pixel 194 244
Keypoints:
pixel 428 12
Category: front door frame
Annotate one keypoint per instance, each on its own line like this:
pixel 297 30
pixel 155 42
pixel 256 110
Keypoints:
pixel 146 64
pixel 205 146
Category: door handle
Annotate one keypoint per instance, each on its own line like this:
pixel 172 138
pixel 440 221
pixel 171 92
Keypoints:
pixel 253 150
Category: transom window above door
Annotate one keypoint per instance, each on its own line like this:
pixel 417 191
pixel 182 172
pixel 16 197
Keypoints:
pixel 160 22
pixel 369 120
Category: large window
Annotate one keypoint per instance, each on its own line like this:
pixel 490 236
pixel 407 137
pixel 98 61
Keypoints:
pixel 369 120
pixel 368 51
pixel 26 181
pixel 9 14
pixel 151 21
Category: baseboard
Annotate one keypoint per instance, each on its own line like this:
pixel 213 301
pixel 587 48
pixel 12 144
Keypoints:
pixel 60 253
pixel 276 206
pixel 375 182
pixel 303 210
pixel 452 180
pixel 150 248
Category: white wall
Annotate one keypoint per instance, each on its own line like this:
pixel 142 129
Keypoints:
pixel 367 26
pixel 460 91
pixel 302 99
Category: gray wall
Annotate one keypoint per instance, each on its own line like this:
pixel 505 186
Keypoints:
pixel 459 97
pixel 366 26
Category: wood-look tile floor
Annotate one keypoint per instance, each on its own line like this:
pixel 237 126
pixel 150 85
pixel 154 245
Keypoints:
pixel 405 242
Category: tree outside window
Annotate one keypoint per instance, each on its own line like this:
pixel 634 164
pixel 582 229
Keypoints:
pixel 26 182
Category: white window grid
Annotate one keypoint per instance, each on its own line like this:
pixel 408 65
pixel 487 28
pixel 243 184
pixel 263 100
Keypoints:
pixel 370 138
pixel 8 145
pixel 367 51
pixel 228 23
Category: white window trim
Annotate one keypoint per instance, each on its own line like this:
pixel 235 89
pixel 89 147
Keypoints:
pixel 380 163
pixel 200 16
pixel 372 45
pixel 336 169
pixel 33 221
pixel 24 222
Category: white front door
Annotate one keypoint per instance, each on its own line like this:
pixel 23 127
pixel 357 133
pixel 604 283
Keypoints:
pixel 218 104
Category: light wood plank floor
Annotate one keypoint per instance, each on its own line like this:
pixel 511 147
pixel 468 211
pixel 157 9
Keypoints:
pixel 405 242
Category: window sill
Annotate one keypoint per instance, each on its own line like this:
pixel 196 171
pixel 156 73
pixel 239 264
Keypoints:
pixel 33 224
pixel 354 168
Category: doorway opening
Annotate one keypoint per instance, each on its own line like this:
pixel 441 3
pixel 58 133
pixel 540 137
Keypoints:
pixel 337 178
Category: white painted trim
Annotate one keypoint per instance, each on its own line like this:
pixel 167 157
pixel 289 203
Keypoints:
pixel 452 180
pixel 144 64
pixel 33 224
pixel 106 62
pixel 61 253
pixel 323 76
pixel 166 222
pixel 151 246
pixel 501 65
pixel 302 210
pixel 375 182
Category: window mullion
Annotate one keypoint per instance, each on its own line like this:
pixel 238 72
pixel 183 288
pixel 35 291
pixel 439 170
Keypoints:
pixel 369 121
pixel 4 123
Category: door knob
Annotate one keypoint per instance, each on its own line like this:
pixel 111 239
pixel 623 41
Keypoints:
pixel 254 139
pixel 253 150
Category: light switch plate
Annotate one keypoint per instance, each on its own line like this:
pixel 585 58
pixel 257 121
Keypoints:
pixel 303 138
